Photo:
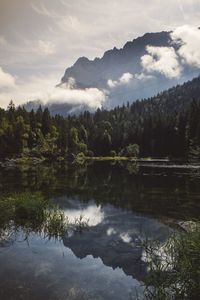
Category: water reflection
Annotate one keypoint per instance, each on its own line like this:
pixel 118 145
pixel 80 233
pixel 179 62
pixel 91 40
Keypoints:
pixel 92 214
pixel 124 207
pixel 45 269
pixel 162 192
pixel 117 239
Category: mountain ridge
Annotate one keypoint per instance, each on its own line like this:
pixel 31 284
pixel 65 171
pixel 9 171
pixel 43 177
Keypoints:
pixel 119 75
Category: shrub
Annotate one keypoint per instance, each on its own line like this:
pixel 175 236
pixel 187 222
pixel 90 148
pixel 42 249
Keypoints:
pixel 178 276
pixel 113 153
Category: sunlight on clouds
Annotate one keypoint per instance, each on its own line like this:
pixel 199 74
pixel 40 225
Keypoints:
pixel 92 97
pixel 43 88
pixel 189 39
pixel 123 80
pixel 170 62
pixel 163 60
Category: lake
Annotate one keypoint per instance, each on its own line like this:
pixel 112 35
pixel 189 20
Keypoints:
pixel 124 205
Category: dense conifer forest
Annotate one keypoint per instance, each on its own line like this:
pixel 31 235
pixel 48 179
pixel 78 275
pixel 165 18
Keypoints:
pixel 167 125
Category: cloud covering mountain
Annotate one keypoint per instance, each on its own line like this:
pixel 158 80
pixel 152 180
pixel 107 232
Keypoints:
pixel 142 68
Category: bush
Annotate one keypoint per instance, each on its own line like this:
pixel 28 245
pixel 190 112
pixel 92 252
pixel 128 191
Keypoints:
pixel 90 153
pixel 31 212
pixel 82 148
pixel 80 158
pixel 132 150
pixel 113 153
pixel 178 276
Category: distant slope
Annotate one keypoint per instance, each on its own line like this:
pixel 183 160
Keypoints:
pixel 175 99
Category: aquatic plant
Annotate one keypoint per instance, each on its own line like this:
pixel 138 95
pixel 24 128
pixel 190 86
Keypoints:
pixel 174 269
pixel 31 212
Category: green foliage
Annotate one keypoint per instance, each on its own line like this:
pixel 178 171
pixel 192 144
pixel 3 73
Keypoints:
pixel 132 150
pixel 90 153
pixel 167 125
pixel 82 148
pixel 175 271
pixel 31 212
pixel 113 153
pixel 80 158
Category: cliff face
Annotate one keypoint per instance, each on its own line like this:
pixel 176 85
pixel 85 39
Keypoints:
pixel 118 75
pixel 115 62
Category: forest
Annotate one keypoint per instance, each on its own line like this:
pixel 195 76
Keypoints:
pixel 167 125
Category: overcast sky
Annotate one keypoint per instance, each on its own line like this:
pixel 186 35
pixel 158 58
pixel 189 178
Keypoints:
pixel 39 39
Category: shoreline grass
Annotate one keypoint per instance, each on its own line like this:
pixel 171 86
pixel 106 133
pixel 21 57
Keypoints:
pixel 31 212
pixel 174 272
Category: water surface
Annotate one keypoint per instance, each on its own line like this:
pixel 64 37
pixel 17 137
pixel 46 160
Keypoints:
pixel 124 206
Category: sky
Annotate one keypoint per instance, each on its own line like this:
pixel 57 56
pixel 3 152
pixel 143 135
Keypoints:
pixel 39 39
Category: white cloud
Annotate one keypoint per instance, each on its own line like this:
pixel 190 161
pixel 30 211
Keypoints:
pixel 143 76
pixel 91 97
pixel 123 80
pixel 6 79
pixel 42 88
pixel 188 37
pixel 112 83
pixel 163 60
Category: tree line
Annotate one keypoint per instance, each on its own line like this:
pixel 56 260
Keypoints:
pixel 167 125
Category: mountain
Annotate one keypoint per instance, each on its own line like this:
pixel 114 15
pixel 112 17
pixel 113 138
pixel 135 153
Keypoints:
pixel 121 76
pixel 116 63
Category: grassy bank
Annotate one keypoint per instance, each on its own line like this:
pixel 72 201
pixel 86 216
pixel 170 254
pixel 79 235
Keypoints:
pixel 31 212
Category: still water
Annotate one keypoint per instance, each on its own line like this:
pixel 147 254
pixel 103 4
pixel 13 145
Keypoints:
pixel 124 206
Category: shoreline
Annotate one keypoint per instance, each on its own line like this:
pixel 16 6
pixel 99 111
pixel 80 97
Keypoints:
pixel 143 162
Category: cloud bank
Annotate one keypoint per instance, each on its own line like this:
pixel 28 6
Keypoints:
pixel 123 80
pixel 91 97
pixel 170 61
pixel 163 60
pixel 188 38
pixel 42 88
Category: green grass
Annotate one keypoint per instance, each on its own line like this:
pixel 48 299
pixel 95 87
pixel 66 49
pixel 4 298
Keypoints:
pixel 31 212
pixel 178 277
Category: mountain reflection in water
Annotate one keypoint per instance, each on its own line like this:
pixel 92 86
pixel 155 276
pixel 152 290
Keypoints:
pixel 114 235
pixel 106 261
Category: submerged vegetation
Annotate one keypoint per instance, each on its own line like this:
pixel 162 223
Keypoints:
pixel 174 269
